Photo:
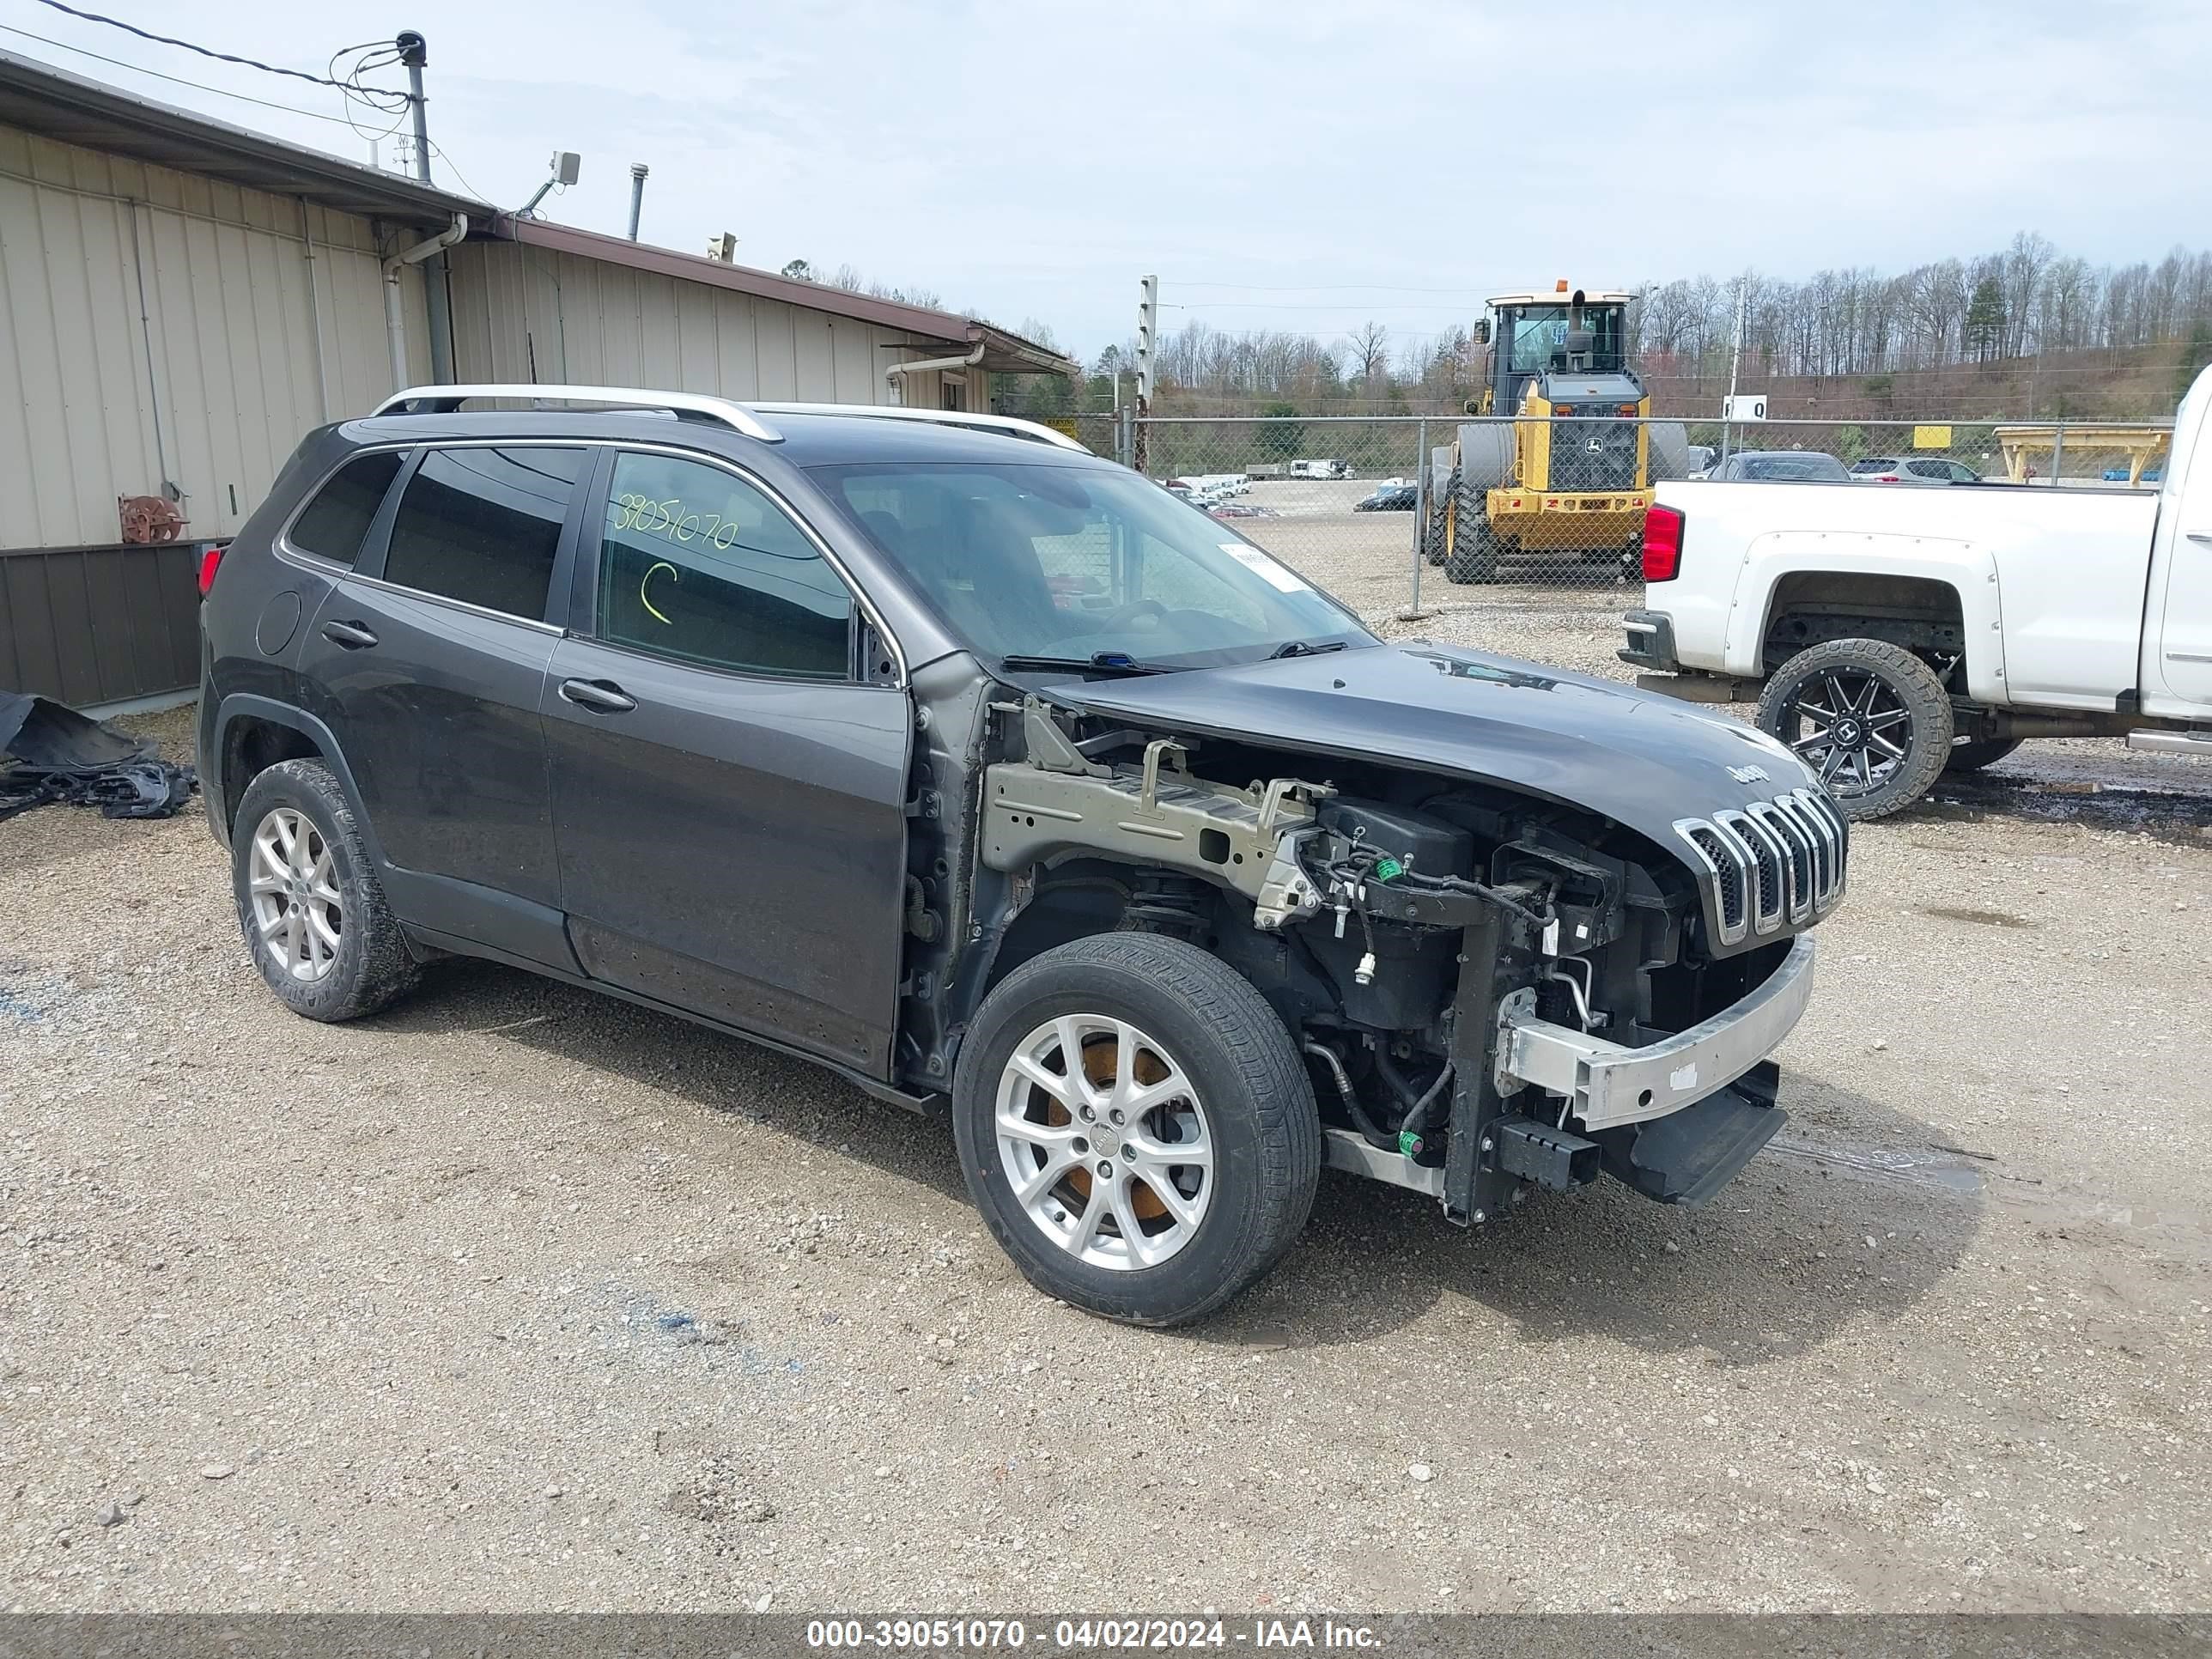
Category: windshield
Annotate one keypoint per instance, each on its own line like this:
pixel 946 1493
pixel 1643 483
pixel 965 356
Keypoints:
pixel 1540 330
pixel 1076 562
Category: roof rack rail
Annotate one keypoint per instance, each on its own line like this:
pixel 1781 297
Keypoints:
pixel 696 405
pixel 1006 424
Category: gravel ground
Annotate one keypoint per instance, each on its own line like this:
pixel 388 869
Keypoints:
pixel 518 1298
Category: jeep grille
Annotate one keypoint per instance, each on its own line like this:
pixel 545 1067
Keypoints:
pixel 1773 865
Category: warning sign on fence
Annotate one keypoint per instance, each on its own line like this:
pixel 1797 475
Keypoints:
pixel 1931 437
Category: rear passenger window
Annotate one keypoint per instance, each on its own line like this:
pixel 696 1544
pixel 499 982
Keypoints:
pixel 482 525
pixel 331 525
pixel 699 565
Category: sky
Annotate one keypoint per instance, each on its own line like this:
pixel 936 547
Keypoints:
pixel 1277 163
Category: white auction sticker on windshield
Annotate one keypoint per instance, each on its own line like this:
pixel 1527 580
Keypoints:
pixel 1281 578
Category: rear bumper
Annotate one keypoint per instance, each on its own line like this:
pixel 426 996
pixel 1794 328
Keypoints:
pixel 1651 641
pixel 1607 1086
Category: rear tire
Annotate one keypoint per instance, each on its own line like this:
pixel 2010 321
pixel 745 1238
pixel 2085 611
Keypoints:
pixel 1174 1016
pixel 1869 717
pixel 1970 755
pixel 1432 532
pixel 314 914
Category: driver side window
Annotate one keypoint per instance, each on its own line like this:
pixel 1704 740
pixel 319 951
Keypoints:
pixel 698 565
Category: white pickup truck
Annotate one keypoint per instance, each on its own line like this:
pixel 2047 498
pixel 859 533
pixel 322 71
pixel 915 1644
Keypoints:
pixel 1901 633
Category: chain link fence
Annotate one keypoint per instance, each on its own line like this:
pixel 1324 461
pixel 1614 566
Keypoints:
pixel 1400 513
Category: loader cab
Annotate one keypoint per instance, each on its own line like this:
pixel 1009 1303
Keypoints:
pixel 1567 332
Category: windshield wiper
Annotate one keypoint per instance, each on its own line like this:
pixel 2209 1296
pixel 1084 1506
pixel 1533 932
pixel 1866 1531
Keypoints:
pixel 1304 648
pixel 1098 662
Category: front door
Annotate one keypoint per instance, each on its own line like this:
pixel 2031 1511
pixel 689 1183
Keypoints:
pixel 728 792
pixel 429 662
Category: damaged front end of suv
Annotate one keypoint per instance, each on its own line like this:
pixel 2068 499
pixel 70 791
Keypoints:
pixel 1525 928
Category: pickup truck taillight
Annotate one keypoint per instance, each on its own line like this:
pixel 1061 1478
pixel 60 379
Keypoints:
pixel 1663 544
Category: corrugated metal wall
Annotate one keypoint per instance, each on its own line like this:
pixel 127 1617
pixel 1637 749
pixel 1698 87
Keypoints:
pixel 99 624
pixel 535 314
pixel 128 290
pixel 238 371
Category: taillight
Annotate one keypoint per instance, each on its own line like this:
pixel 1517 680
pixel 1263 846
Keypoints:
pixel 211 561
pixel 1887 477
pixel 1663 544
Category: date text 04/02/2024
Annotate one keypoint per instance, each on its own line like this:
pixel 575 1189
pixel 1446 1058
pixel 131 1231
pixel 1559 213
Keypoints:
pixel 1086 1634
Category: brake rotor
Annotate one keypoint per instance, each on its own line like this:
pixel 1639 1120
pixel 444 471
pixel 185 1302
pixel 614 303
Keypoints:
pixel 1100 1063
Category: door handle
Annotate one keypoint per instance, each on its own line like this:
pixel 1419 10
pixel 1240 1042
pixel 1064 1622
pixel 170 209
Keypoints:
pixel 600 696
pixel 352 635
pixel 2201 537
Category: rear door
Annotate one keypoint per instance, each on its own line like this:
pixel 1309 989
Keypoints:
pixel 728 789
pixel 428 661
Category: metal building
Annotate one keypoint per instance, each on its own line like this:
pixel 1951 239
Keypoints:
pixel 183 299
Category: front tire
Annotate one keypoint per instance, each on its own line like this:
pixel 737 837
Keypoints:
pixel 1869 717
pixel 1471 553
pixel 314 914
pixel 1135 1127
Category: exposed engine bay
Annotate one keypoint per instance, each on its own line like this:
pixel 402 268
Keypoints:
pixel 1494 991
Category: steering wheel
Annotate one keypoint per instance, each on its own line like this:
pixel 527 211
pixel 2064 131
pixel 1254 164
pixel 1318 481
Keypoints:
pixel 1135 609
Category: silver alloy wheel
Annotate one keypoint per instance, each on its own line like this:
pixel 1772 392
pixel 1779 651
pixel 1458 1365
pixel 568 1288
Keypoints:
pixel 1104 1142
pixel 297 914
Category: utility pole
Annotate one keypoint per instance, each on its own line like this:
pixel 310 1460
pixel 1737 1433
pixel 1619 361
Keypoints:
pixel 415 53
pixel 1736 356
pixel 1148 318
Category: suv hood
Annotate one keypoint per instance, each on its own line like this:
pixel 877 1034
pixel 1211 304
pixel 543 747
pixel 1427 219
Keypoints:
pixel 1640 759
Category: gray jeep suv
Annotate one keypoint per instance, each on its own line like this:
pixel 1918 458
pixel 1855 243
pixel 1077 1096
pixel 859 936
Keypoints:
pixel 936 749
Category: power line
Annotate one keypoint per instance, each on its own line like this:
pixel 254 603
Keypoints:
pixel 224 92
pixel 1331 287
pixel 188 45
pixel 1269 304
pixel 439 150
pixel 178 80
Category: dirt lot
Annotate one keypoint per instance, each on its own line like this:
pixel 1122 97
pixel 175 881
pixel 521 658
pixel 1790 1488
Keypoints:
pixel 518 1298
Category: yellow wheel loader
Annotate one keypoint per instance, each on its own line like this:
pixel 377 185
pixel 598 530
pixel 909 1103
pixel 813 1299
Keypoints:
pixel 1558 463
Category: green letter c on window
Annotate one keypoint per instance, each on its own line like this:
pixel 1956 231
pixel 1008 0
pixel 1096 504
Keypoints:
pixel 646 581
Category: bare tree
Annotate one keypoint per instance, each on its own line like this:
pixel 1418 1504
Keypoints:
pixel 1370 350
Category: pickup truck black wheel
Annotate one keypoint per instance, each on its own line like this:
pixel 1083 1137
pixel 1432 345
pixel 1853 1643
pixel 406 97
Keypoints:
pixel 1969 755
pixel 308 900
pixel 1136 1127
pixel 1869 717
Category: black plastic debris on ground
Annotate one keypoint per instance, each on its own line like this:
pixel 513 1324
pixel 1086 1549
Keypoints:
pixel 52 753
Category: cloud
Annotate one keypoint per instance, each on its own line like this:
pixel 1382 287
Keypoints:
pixel 1035 158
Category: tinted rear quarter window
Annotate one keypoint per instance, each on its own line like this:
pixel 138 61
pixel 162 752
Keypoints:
pixel 332 524
pixel 482 525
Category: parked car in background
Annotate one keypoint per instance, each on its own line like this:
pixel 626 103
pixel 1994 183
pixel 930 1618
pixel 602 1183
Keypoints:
pixel 1780 466
pixel 1699 458
pixel 1912 470
pixel 1388 498
pixel 934 749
